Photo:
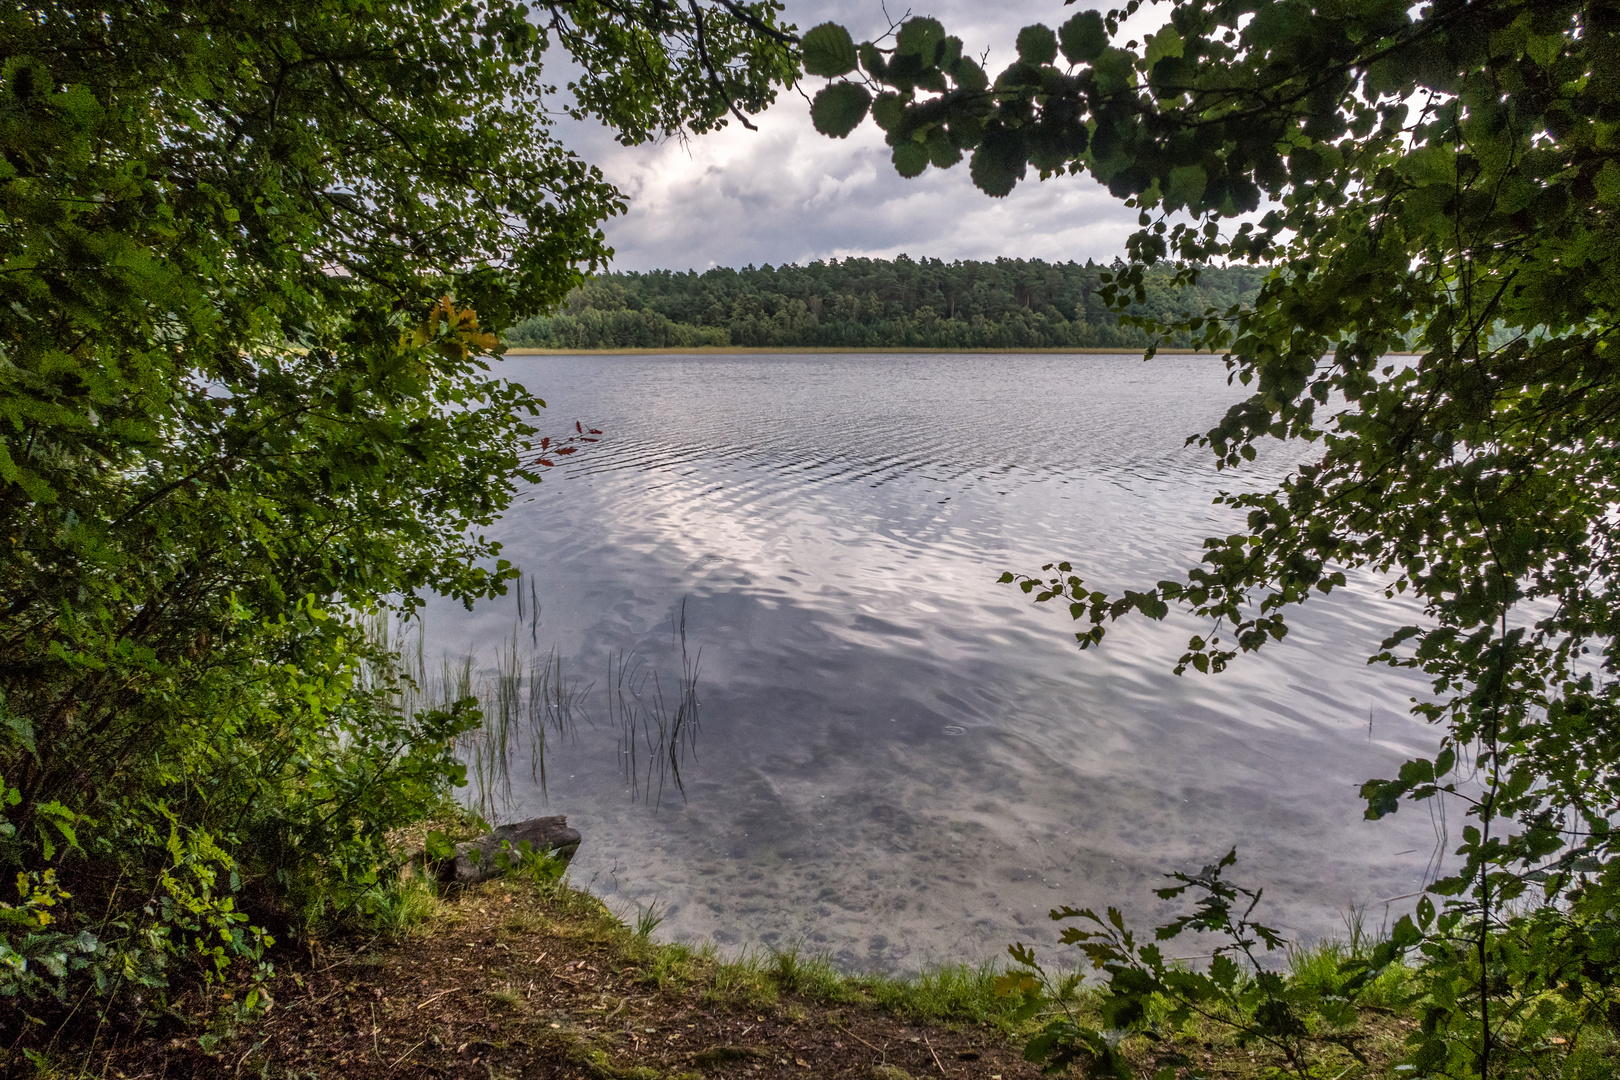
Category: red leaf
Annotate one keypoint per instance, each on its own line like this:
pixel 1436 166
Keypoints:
pixel 595 431
pixel 543 461
pixel 578 428
pixel 545 442
pixel 567 449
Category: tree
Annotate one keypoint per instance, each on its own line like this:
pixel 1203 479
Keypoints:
pixel 251 253
pixel 1010 303
pixel 1446 180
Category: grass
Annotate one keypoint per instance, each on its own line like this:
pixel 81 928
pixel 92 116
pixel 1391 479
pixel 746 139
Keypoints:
pixel 647 920
pixel 788 990
pixel 1316 968
pixel 555 973
pixel 785 989
pixel 950 995
pixel 404 907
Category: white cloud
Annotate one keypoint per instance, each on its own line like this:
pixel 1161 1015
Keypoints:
pixel 788 194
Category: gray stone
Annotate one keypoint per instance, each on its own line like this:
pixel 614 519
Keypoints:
pixel 480 860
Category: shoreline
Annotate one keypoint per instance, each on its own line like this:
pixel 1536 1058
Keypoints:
pixel 525 976
pixel 749 350
pixel 792 350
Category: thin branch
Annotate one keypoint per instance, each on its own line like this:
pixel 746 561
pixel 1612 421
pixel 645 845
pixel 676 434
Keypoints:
pixel 714 76
pixel 743 14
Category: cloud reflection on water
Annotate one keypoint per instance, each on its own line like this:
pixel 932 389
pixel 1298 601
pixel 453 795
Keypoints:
pixel 901 760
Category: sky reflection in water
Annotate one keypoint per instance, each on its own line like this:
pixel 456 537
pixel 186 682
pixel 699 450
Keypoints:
pixel 902 761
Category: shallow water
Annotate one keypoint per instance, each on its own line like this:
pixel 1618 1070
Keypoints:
pixel 901 761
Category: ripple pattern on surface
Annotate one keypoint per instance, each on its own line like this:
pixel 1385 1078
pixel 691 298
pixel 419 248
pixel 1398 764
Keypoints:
pixel 902 760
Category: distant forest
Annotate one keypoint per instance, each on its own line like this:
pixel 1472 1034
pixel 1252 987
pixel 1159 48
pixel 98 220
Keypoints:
pixel 853 303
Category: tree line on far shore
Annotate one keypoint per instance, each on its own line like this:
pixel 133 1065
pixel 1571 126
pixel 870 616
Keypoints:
pixel 855 303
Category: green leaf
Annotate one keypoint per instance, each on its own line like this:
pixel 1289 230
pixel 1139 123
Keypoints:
pixel 438 845
pixel 1037 45
pixel 969 75
pixel 1115 70
pixel 921 38
pixel 21 731
pixel 942 150
pixel 1083 37
pixel 1167 42
pixel 1383 797
pixel 1607 183
pixel 838 109
pixel 910 158
pixel 1186 186
pixel 872 61
pixel 998 163
pixel 888 110
pixel 829 50
pixel 1425 912
pixel 1430 165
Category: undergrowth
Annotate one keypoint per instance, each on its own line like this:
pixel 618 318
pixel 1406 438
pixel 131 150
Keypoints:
pixel 1218 1042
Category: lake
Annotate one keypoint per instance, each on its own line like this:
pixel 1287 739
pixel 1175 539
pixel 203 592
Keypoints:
pixel 901 761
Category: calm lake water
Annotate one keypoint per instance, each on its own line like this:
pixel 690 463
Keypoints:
pixel 901 761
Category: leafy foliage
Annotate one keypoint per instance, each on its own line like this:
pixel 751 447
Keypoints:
pixel 1445 177
pixel 828 50
pixel 252 254
pixel 922 303
pixel 838 109
pixel 1308 1014
pixel 1296 1016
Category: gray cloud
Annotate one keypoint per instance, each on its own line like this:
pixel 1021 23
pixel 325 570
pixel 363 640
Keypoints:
pixel 787 194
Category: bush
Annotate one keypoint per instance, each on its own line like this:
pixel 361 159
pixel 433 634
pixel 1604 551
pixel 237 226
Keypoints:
pixel 245 394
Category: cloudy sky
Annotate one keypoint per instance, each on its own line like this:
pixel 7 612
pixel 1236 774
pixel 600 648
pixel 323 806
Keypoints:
pixel 786 194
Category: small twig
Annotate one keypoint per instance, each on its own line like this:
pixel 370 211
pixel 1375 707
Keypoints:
pixel 882 1054
pixel 239 1060
pixel 935 1056
pixel 341 961
pixel 437 996
pixel 405 1055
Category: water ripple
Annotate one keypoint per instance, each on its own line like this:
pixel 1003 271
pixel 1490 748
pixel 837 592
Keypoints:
pixel 886 730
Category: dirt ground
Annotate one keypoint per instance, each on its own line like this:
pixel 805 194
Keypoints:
pixel 508 984
pixel 514 979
